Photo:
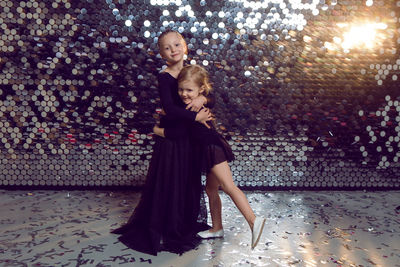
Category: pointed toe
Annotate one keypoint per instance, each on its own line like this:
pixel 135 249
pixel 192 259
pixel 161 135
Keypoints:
pixel 258 228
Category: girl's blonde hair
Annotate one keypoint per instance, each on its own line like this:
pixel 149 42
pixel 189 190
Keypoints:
pixel 197 74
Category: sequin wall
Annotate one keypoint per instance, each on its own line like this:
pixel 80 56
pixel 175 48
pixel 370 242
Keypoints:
pixel 307 91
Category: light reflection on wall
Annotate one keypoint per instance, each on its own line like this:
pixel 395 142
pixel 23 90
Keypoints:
pixel 305 101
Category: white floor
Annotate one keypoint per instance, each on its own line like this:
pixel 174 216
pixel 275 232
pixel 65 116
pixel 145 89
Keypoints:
pixel 71 228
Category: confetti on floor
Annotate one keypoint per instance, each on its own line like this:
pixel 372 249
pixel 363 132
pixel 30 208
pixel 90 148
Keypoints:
pixel 311 229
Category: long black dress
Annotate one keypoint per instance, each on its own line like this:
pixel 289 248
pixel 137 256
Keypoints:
pixel 167 216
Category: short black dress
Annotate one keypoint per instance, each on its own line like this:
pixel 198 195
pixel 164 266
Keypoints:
pixel 167 216
pixel 210 147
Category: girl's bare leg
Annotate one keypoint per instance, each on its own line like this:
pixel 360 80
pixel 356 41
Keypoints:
pixel 212 186
pixel 222 173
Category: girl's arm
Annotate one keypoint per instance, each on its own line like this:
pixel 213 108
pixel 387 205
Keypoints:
pixel 200 101
pixel 158 131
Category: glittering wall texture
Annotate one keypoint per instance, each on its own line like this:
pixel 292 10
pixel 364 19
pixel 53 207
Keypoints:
pixel 307 91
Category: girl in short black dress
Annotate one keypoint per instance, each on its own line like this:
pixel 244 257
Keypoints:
pixel 212 154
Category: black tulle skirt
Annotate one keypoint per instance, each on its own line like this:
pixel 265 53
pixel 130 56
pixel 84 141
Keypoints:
pixel 211 149
pixel 167 216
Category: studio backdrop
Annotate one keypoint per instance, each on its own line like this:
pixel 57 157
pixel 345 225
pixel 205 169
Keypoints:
pixel 307 92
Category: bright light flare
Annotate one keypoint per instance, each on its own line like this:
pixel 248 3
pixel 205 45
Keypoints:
pixel 361 35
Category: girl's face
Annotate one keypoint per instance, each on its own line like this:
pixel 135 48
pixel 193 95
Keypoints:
pixel 172 48
pixel 189 90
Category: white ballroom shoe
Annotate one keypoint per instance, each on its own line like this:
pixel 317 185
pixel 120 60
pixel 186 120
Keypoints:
pixel 258 227
pixel 207 234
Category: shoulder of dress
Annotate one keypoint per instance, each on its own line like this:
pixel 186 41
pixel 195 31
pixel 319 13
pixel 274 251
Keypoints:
pixel 165 75
pixel 161 75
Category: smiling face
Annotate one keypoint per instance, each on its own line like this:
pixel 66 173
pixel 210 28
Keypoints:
pixel 189 90
pixel 172 47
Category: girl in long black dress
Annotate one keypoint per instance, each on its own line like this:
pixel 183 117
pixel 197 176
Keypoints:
pixel 212 156
pixel 166 217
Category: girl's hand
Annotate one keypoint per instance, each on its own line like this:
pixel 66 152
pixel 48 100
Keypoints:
pixel 158 131
pixel 203 116
pixel 197 103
